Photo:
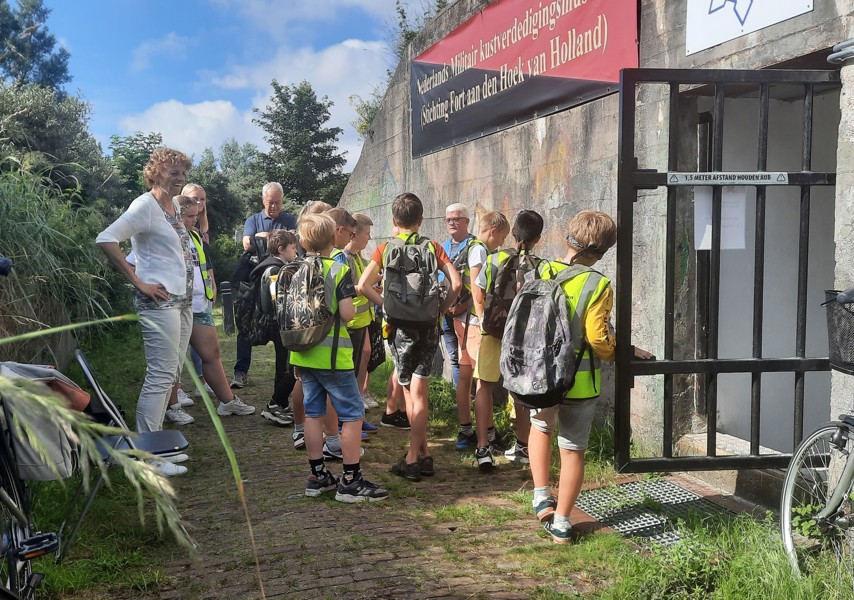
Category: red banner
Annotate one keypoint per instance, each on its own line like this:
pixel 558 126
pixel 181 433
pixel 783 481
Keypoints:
pixel 517 60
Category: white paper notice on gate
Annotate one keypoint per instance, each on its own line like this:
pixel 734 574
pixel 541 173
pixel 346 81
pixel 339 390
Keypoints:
pixel 712 22
pixel 733 208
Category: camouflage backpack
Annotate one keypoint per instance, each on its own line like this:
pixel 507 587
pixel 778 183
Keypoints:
pixel 508 276
pixel 307 314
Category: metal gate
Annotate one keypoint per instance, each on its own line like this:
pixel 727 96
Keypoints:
pixel 705 365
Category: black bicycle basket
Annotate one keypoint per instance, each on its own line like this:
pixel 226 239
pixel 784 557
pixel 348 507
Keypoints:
pixel 840 333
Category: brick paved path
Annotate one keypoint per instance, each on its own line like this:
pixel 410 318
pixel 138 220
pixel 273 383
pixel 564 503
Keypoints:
pixel 449 536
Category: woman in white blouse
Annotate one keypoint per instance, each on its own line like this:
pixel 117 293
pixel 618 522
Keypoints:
pixel 162 282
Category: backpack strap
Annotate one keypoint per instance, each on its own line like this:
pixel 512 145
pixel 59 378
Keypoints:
pixel 329 291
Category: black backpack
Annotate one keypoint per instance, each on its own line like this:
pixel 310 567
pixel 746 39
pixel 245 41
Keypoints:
pixel 249 317
pixel 542 348
pixel 411 283
pixel 508 278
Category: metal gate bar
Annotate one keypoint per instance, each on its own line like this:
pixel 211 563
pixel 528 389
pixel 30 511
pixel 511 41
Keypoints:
pixel 630 180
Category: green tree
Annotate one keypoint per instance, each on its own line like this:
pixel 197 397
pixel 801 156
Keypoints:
pixel 225 210
pixel 303 154
pixel 49 135
pixel 130 154
pixel 240 165
pixel 28 51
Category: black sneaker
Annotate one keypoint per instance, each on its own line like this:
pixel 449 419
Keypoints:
pixel 425 463
pixel 360 490
pixel 397 420
pixel 485 459
pixel 410 471
pixel 278 415
pixel 317 485
pixel 466 440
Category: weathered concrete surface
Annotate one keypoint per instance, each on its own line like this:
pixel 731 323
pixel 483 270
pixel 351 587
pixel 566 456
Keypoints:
pixel 842 386
pixel 565 162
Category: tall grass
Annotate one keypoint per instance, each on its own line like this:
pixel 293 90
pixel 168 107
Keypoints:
pixel 58 271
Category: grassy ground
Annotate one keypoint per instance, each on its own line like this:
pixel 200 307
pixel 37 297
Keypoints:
pixel 473 529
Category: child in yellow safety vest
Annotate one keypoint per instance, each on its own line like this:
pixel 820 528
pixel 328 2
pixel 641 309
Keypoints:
pixel 591 234
pixel 327 370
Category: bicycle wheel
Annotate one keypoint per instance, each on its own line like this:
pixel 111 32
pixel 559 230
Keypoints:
pixel 811 479
pixel 14 573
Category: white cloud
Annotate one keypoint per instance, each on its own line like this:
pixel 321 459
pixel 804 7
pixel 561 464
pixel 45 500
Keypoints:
pixel 351 67
pixel 193 127
pixel 173 45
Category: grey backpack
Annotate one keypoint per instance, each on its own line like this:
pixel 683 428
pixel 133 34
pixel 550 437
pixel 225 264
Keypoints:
pixel 411 283
pixel 308 316
pixel 542 345
pixel 58 456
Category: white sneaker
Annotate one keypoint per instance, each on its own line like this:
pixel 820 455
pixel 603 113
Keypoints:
pixel 177 415
pixel 166 468
pixel 369 401
pixel 177 457
pixel 235 407
pixel 184 399
pixel 208 389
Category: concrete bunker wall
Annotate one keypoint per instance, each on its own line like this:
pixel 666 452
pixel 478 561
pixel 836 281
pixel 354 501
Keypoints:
pixel 563 163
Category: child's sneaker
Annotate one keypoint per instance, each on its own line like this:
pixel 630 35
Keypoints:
pixel 240 380
pixel 360 490
pixel 278 415
pixel 425 463
pixel 175 414
pixel 466 440
pixel 544 509
pixel 208 389
pixel 485 459
pixel 559 536
pixel 369 428
pixel 369 401
pixel 299 440
pixel 518 453
pixel 317 485
pixel 235 407
pixel 336 454
pixel 398 420
pixel 410 471
pixel 184 399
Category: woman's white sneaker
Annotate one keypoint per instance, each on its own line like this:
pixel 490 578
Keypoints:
pixel 175 414
pixel 166 468
pixel 184 399
pixel 235 407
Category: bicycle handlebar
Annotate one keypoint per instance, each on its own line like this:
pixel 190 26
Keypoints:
pixel 5 266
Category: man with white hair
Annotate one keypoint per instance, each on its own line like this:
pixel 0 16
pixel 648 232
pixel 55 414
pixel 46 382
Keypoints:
pixel 256 230
pixel 457 221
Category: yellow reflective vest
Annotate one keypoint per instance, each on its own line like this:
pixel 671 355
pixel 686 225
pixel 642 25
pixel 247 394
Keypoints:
pixel 364 310
pixel 336 351
pixel 581 292
pixel 204 267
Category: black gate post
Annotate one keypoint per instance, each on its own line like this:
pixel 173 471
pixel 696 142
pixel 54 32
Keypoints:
pixel 227 307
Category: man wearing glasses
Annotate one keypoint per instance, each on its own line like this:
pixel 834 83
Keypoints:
pixel 256 230
pixel 457 221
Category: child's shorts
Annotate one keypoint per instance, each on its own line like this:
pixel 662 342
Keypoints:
pixel 203 318
pixel 342 389
pixel 574 417
pixel 488 354
pixel 413 351
pixel 467 355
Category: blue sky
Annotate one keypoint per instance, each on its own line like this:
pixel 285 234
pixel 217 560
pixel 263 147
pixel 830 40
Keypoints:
pixel 194 69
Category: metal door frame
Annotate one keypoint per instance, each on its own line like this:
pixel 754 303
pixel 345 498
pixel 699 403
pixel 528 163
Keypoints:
pixel 632 179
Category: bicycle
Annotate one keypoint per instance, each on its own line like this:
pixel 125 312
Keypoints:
pixel 817 507
pixel 18 544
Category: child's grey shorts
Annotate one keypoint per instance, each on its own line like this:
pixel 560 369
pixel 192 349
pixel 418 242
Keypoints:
pixel 574 418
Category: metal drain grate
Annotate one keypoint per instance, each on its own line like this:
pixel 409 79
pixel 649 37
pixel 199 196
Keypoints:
pixel 645 509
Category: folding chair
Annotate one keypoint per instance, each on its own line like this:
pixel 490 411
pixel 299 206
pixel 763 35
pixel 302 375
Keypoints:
pixel 104 410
